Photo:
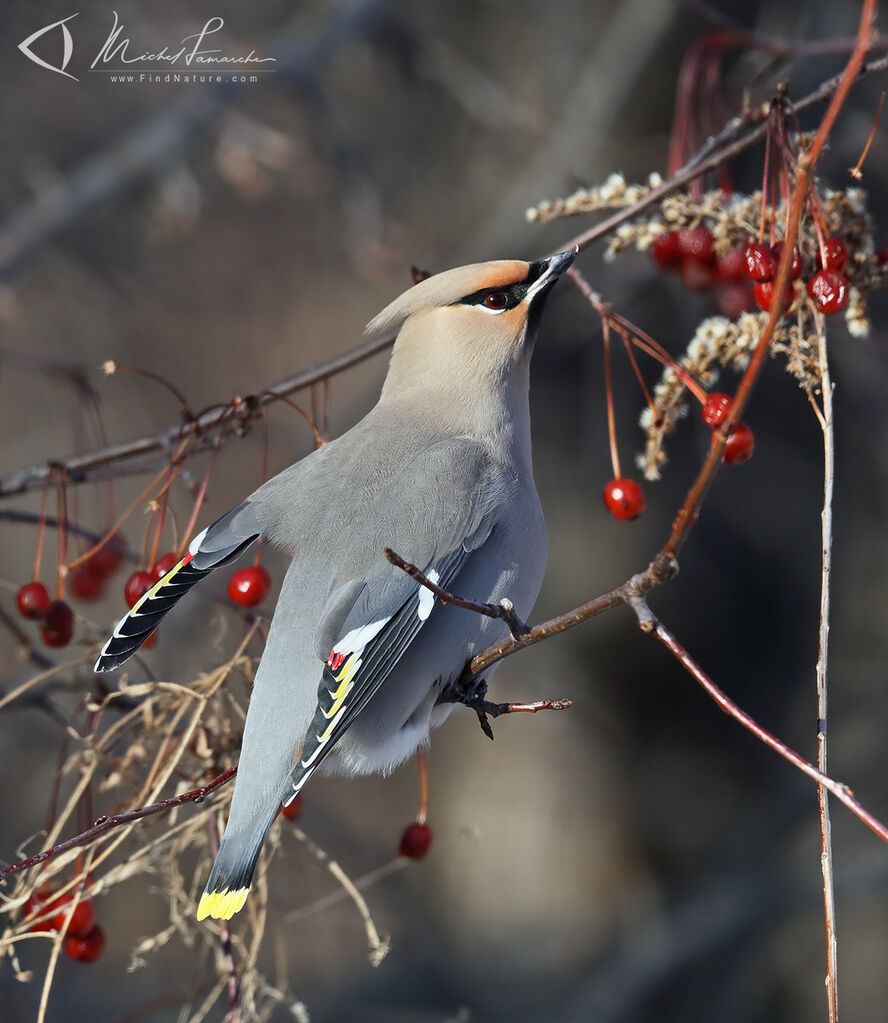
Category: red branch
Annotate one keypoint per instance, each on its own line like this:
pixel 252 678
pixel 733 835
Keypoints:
pixel 104 824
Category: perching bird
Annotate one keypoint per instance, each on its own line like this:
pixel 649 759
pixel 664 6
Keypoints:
pixel 440 471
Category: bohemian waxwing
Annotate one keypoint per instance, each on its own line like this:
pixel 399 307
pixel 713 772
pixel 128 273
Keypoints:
pixel 440 471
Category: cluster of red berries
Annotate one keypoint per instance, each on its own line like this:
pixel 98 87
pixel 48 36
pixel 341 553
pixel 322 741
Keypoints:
pixel 741 442
pixel 84 938
pixel 55 616
pixel 827 286
pixel 249 586
pixel 691 252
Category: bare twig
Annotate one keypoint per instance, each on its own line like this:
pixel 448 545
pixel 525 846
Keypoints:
pixel 840 791
pixel 826 854
pixel 58 941
pixel 104 824
pixel 718 151
pixel 379 947
pixel 79 468
pixel 504 610
pixel 115 544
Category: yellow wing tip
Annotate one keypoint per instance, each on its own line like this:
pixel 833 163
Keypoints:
pixel 221 905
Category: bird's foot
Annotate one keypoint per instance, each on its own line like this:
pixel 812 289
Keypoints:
pixel 471 692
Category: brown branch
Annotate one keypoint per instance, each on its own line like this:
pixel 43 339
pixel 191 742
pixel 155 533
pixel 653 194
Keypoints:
pixel 718 151
pixel 105 824
pixel 79 468
pixel 825 417
pixel 74 529
pixel 504 610
pixel 631 592
pixel 842 792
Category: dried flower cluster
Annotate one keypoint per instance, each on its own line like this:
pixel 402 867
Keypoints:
pixel 613 194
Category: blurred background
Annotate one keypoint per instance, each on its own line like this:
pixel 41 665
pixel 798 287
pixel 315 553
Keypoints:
pixel 638 857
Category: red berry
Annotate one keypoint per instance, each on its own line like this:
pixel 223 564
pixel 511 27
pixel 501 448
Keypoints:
pixel 829 290
pixel 164 564
pixel 150 641
pixel 665 251
pixel 106 560
pixel 697 243
pixel 763 293
pixel 32 600
pixel 81 919
pixel 293 810
pixel 795 270
pixel 732 266
pixel 58 624
pixel 716 408
pixel 138 584
pixel 734 299
pixel 697 274
pixel 415 841
pixel 882 256
pixel 760 262
pixel 86 948
pixel 85 582
pixel 834 254
pixel 624 499
pixel 740 446
pixel 36 905
pixel 248 586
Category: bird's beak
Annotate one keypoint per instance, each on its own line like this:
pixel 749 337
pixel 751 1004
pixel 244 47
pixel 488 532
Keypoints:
pixel 545 272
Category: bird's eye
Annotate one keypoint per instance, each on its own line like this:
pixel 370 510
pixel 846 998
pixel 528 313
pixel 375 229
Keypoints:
pixel 496 300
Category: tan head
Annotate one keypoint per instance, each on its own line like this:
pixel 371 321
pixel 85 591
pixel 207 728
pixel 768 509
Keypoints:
pixel 469 325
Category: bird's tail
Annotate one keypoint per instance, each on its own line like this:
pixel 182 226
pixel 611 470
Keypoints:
pixel 229 882
pixel 216 546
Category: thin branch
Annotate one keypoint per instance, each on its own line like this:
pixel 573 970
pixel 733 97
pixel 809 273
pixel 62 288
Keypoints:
pixel 826 853
pixel 504 610
pixel 717 151
pixel 33 519
pixel 79 468
pixel 104 824
pixel 842 792
pixel 378 946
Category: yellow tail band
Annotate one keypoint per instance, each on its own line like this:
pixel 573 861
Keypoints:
pixel 222 905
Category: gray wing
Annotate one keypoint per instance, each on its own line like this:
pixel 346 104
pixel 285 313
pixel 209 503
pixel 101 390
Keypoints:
pixel 437 515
